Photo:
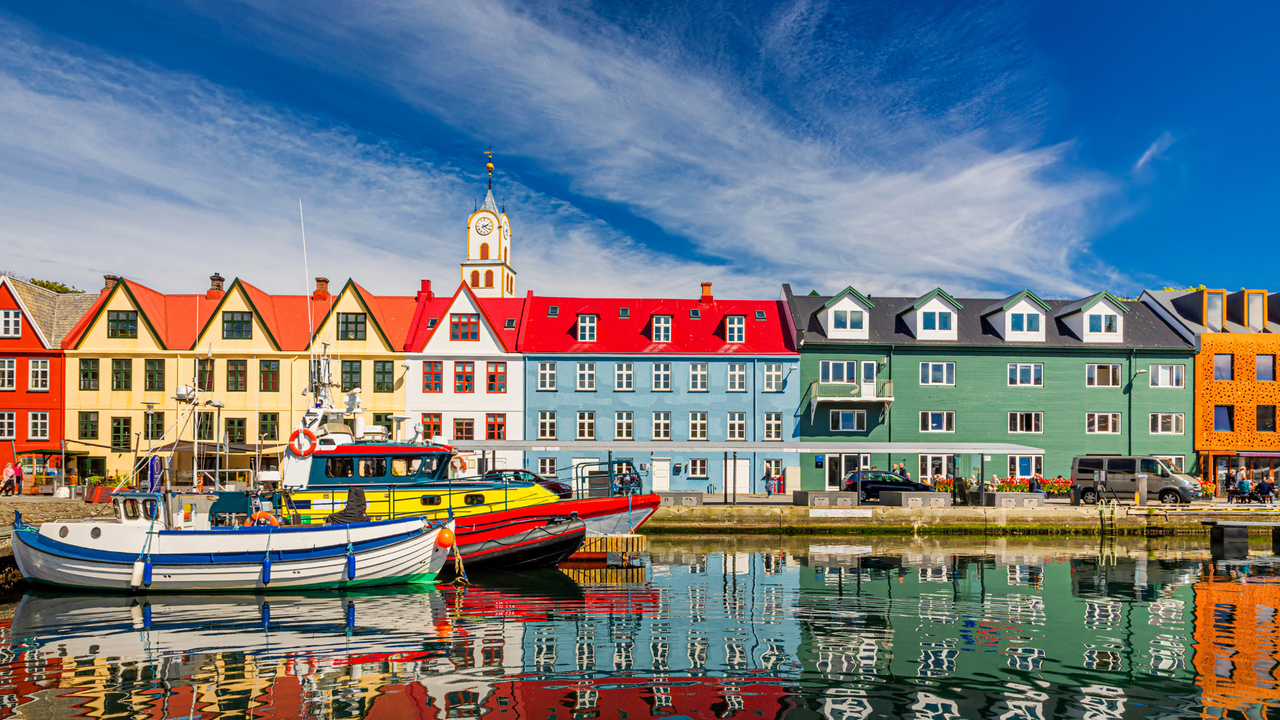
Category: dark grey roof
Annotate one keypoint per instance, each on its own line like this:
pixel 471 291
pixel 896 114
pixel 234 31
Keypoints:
pixel 1167 300
pixel 1143 328
pixel 55 313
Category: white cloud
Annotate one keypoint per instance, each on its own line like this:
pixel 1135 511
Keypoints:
pixel 1154 151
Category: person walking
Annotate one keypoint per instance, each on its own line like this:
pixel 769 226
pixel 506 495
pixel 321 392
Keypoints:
pixel 17 479
pixel 768 482
pixel 7 488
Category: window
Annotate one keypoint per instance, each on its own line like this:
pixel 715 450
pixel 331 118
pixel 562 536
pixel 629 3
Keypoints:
pixel 237 326
pixel 204 374
pixel 1102 423
pixel 546 376
pixel 773 377
pixel 848 420
pixel 122 324
pixel 662 426
pixel 432 376
pixel 586 425
pixel 38 375
pixel 698 467
pixel 547 467
pixel 1266 368
pixel 464 326
pixel 11 323
pixel 624 313
pixel 737 377
pixel 88 375
pixel 1104 324
pixel 509 324
pixel 773 466
pixel 1224 418
pixel 464 429
pixel 1102 376
pixel 662 328
pixel 623 425
pixel 662 377
pixel 847 319
pixel 623 377
pixel 1024 322
pixel 937 320
pixel 697 377
pixel 384 376
pixel 553 311
pixel 1031 374
pixel 937 421
pixel 697 426
pixel 586 328
pixel 8 425
pixel 88 426
pixel 546 424
pixel 431 324
pixel 351 326
pixel 737 426
pixel 1024 466
pixel 735 328
pixel 432 425
pixel 153 375
pixel 204 426
pixel 121 434
pixel 1224 367
pixel 937 373
pixel 587 376
pixel 464 377
pixel 495 426
pixel 1166 423
pixel 269 426
pixel 153 425
pixel 38 425
pixel 1266 419
pixel 495 377
pixel 122 374
pixel 773 426
pixel 269 376
pixel 9 374
pixel 695 314
pixel 236 430
pixel 1026 422
pixel 1167 376
pixel 238 375
pixel 838 371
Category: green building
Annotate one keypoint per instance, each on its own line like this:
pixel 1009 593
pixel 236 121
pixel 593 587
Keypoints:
pixel 1096 376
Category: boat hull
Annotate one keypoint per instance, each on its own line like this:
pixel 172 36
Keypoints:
pixel 499 541
pixel 435 500
pixel 613 516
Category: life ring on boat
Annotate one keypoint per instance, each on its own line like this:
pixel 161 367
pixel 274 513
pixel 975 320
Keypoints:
pixel 262 515
pixel 460 464
pixel 296 446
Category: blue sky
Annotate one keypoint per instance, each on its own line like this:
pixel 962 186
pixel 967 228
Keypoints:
pixel 644 147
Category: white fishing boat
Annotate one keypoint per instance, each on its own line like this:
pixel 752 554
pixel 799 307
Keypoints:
pixel 167 542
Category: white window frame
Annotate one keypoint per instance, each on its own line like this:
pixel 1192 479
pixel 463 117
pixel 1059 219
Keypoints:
pixel 697 425
pixel 587 328
pixel 1175 374
pixel 1108 323
pixel 1036 422
pixel 1015 374
pixel 737 377
pixel 699 380
pixel 826 372
pixel 948 369
pixel 1177 462
pixel 586 377
pixel 662 328
pixel 735 328
pixel 8 374
pixel 1112 420
pixel 547 376
pixel 1026 318
pixel 844 319
pixel 857 420
pixel 773 377
pixel 697 467
pixel 1093 381
pixel 10 323
pixel 8 425
pixel 546 424
pixel 586 425
pixel 662 377
pixel 935 317
pixel 773 466
pixel 773 426
pixel 38 375
pixel 662 425
pixel 1177 423
pixel 737 426
pixel 38 425
pixel 624 377
pixel 948 421
pixel 1037 465
pixel 547 466
pixel 624 425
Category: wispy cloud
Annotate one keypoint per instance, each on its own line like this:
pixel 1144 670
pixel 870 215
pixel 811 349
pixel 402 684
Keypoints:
pixel 1154 152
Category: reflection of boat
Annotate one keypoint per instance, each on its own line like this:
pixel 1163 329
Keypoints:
pixel 167 542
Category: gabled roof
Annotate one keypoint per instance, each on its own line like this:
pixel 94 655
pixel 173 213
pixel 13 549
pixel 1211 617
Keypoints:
pixel 1012 300
pixel 494 312
pixel 174 320
pixel 936 292
pixel 258 301
pixel 849 292
pixel 51 314
pixel 1084 304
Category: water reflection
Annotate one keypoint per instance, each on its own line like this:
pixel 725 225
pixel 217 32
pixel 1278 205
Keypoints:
pixel 841 628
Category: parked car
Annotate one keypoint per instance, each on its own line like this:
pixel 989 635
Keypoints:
pixel 563 489
pixel 872 482
pixel 1164 482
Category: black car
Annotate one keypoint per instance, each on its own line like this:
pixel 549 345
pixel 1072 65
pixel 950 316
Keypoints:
pixel 562 489
pixel 872 482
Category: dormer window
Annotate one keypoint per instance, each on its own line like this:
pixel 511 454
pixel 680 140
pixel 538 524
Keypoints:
pixel 847 319
pixel 1024 322
pixel 760 315
pixel 11 323
pixel 662 328
pixel 735 328
pixel 553 311
pixel 1214 307
pixel 432 323
pixel 695 314
pixel 1104 323
pixel 1255 311
pixel 586 328
pixel 937 320
pixel 624 313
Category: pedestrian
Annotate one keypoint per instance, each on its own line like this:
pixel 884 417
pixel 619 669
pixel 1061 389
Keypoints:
pixel 7 488
pixel 768 482
pixel 17 479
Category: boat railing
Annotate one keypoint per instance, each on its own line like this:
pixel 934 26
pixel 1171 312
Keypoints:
pixel 425 488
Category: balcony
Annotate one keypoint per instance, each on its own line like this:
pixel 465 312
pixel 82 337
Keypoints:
pixel 820 392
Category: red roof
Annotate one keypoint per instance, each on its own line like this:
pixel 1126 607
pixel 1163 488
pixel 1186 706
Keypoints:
pixel 633 334
pixel 495 311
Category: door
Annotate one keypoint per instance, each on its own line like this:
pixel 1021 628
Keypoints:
pixel 868 378
pixel 838 466
pixel 661 475
pixel 743 479
pixel 932 466
pixel 1120 476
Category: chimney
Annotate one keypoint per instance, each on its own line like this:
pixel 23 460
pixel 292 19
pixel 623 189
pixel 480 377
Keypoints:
pixel 111 281
pixel 215 287
pixel 706 293
pixel 425 293
pixel 322 289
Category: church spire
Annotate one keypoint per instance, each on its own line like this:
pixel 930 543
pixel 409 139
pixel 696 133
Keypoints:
pixel 489 166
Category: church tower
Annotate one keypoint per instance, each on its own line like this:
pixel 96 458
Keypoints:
pixel 487 269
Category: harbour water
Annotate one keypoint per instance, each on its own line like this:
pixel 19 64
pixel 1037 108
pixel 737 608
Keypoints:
pixel 730 628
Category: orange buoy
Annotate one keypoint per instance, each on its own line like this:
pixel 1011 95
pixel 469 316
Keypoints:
pixel 445 538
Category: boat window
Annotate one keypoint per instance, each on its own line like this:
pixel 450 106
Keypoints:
pixel 130 509
pixel 149 509
pixel 373 467
pixel 339 467
pixel 430 499
pixel 405 466
pixel 474 499
pixel 429 464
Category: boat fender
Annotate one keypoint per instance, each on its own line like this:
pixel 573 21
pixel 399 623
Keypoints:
pixel 135 580
pixel 266 570
pixel 146 573
pixel 266 615
pixel 146 616
pixel 351 615
pixel 351 566
pixel 135 614
pixel 296 446
pixel 445 538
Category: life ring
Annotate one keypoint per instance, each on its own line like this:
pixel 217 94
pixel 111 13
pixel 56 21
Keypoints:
pixel 460 463
pixel 262 515
pixel 296 446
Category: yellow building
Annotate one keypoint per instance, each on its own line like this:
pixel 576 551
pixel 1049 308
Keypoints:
pixel 133 357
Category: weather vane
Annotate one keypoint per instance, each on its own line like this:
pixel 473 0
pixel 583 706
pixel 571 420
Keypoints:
pixel 489 165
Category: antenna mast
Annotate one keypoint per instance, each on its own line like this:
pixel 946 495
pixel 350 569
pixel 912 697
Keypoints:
pixel 306 296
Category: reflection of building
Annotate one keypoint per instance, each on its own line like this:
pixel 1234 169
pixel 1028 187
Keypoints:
pixel 1237 634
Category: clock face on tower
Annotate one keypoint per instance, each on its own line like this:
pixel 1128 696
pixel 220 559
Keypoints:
pixel 484 226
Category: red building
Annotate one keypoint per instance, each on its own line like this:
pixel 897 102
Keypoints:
pixel 32 388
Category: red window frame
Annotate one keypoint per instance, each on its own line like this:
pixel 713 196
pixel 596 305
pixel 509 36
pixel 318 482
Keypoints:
pixel 464 377
pixel 464 326
pixel 496 377
pixel 431 425
pixel 464 429
pixel 495 426
pixel 433 377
